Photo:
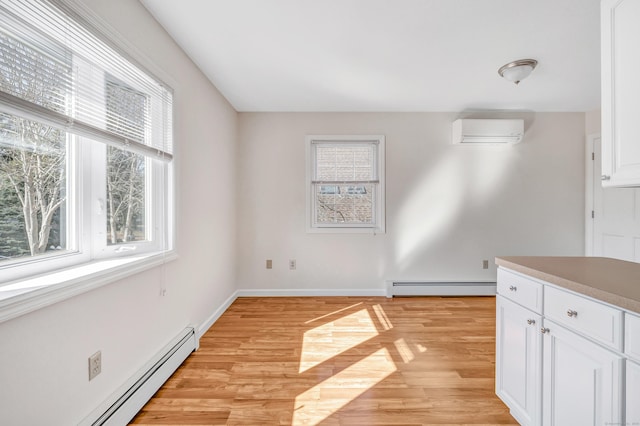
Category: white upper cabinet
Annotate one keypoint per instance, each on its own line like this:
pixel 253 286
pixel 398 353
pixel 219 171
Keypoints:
pixel 620 92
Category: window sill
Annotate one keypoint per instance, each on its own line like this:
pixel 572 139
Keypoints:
pixel 28 295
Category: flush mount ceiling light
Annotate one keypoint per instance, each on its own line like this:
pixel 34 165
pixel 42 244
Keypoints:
pixel 517 71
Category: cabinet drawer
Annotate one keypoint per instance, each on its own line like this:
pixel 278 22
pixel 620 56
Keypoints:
pixel 522 290
pixel 632 336
pixel 594 320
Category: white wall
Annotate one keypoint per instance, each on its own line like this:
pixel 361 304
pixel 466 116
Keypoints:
pixel 43 355
pixel 592 122
pixel 448 207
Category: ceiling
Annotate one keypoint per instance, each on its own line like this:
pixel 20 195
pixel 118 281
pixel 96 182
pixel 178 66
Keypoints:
pixel 391 55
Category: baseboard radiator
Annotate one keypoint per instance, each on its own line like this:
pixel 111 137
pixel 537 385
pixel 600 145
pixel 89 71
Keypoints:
pixel 441 288
pixel 128 401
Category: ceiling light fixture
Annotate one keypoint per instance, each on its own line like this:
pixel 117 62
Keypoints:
pixel 517 71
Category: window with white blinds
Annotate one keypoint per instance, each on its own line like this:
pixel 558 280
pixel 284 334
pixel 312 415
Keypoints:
pixel 86 144
pixel 56 67
pixel 346 183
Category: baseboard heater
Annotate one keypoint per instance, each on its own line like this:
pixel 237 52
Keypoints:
pixel 128 401
pixel 441 288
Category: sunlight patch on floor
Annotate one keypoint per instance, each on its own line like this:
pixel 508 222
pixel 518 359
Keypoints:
pixel 382 317
pixel 330 339
pixel 326 398
pixel 333 313
pixel 404 350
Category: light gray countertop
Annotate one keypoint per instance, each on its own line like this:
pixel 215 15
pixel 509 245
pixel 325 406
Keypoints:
pixel 610 280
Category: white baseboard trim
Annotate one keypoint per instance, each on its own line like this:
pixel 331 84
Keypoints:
pixel 440 288
pixel 206 325
pixel 375 292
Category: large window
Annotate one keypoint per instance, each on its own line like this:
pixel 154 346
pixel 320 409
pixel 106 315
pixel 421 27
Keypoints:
pixel 345 185
pixel 85 145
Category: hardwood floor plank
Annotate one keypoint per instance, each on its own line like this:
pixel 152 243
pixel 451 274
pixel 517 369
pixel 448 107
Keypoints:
pixel 339 361
pixel 181 418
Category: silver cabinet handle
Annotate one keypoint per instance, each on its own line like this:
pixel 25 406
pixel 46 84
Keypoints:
pixel 572 313
pixel 544 330
pixel 605 177
pixel 513 288
pixel 530 321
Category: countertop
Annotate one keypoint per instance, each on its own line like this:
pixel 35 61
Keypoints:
pixel 613 281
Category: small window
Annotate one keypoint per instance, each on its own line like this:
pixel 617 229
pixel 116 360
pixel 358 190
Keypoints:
pixel 345 183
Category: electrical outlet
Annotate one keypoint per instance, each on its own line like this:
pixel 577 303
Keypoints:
pixel 269 264
pixel 95 365
pixel 485 264
pixel 292 264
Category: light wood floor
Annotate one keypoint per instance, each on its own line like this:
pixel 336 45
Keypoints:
pixel 339 361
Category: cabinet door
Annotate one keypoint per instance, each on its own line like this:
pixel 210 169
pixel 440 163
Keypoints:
pixel 633 393
pixel 582 383
pixel 518 360
pixel 620 92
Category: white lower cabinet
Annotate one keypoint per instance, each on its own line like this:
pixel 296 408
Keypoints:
pixel 582 381
pixel 518 356
pixel 564 359
pixel 633 394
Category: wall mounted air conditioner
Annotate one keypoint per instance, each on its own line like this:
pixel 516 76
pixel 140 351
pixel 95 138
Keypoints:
pixel 488 131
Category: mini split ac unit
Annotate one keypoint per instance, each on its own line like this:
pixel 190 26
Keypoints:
pixel 488 131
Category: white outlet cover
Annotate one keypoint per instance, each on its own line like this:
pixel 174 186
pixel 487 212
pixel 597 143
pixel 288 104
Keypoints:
pixel 95 365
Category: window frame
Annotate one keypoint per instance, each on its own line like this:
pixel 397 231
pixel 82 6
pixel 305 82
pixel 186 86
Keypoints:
pixel 379 205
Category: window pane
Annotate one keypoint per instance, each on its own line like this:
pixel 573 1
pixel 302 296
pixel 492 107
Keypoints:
pixel 30 74
pixel 345 204
pixel 125 170
pixel 33 196
pixel 33 163
pixel 125 196
pixel 345 162
pixel 126 110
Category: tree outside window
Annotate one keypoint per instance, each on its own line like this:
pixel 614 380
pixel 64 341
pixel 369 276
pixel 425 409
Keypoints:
pixel 126 112
pixel 33 160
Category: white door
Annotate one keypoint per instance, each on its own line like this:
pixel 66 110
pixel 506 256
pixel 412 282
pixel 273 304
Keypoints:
pixel 582 383
pixel 616 215
pixel 518 360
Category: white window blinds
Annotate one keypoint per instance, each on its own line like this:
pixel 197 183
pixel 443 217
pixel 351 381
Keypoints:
pixel 345 163
pixel 57 70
